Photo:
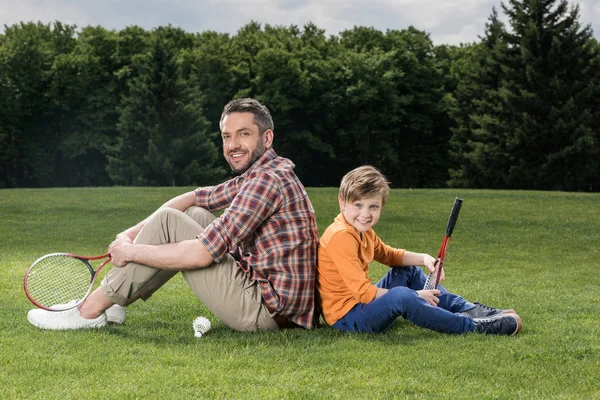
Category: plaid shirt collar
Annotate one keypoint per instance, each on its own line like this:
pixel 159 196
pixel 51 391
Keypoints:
pixel 262 160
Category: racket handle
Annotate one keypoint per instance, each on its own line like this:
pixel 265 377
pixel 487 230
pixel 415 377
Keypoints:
pixel 453 216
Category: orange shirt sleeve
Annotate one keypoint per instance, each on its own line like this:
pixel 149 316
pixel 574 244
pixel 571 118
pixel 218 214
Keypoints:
pixel 387 255
pixel 344 250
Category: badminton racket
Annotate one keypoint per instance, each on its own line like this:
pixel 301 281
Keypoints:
pixel 433 279
pixel 61 281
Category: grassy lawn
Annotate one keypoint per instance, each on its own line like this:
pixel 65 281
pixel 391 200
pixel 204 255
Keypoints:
pixel 537 252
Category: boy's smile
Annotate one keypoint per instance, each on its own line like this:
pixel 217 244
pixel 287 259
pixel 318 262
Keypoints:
pixel 364 213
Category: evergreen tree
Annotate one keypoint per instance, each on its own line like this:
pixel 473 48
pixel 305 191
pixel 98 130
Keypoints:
pixel 84 89
pixel 30 124
pixel 163 131
pixel 533 119
pixel 476 140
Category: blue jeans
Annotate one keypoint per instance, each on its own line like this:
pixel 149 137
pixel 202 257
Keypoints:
pixel 402 300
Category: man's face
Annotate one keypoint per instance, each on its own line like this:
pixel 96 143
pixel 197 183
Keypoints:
pixel 243 144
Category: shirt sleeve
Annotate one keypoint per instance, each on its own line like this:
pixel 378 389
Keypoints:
pixel 215 198
pixel 258 198
pixel 387 255
pixel 343 249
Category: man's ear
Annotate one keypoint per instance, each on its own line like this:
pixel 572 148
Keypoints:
pixel 268 138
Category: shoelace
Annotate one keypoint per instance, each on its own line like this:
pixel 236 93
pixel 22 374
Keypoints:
pixel 486 307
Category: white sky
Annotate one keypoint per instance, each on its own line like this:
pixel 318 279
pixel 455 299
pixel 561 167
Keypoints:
pixel 447 21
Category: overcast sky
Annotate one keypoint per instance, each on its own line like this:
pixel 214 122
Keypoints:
pixel 447 21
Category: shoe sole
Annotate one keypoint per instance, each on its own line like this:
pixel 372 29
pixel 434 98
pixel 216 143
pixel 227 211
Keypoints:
pixel 501 316
pixel 100 323
pixel 518 324
pixel 115 317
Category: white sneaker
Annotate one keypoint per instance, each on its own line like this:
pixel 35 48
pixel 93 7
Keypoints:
pixel 63 320
pixel 115 314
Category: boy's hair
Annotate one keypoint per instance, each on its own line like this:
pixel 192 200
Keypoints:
pixel 262 116
pixel 363 182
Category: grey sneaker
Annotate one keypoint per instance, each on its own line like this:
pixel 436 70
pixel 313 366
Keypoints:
pixel 483 311
pixel 63 320
pixel 499 324
pixel 115 314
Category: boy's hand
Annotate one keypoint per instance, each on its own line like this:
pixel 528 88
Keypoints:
pixel 429 263
pixel 430 296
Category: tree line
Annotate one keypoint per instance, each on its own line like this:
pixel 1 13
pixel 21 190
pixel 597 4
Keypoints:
pixel 517 109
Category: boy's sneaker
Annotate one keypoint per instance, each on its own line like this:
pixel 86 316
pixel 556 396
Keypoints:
pixel 63 320
pixel 483 311
pixel 499 324
pixel 115 314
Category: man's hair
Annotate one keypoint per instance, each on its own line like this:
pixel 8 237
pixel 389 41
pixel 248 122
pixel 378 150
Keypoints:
pixel 363 182
pixel 262 116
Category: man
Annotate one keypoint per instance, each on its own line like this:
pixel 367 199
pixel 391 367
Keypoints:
pixel 253 267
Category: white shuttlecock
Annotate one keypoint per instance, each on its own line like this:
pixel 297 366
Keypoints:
pixel 201 326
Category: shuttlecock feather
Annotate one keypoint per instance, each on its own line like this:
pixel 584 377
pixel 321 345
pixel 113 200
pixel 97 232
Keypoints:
pixel 201 326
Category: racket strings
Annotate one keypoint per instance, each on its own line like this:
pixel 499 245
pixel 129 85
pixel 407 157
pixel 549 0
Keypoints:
pixel 433 278
pixel 58 280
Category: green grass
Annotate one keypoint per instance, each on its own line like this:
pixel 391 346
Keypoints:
pixel 537 252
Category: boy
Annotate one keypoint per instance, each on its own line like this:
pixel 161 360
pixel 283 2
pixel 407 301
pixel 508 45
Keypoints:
pixel 350 302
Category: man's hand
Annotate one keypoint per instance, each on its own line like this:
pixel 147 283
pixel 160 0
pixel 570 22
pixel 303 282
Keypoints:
pixel 430 296
pixel 117 250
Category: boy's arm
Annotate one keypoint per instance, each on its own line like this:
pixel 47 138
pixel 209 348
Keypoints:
pixel 409 258
pixel 387 255
pixel 390 256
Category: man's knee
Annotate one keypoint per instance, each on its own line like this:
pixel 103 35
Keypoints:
pixel 166 213
pixel 202 216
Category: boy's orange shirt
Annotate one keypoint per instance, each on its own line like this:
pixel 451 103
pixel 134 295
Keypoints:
pixel 342 271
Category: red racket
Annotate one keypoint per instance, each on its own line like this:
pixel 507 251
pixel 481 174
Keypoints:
pixel 433 279
pixel 61 281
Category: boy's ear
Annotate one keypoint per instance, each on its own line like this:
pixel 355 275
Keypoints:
pixel 342 203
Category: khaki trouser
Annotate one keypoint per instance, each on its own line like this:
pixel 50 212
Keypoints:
pixel 225 290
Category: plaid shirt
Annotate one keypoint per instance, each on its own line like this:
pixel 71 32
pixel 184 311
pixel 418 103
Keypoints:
pixel 269 227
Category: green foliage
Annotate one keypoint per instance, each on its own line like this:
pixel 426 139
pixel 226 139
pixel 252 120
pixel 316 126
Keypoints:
pixel 163 139
pixel 517 109
pixel 527 107
pixel 31 124
pixel 534 251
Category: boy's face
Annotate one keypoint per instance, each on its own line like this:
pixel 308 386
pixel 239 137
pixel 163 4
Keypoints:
pixel 362 214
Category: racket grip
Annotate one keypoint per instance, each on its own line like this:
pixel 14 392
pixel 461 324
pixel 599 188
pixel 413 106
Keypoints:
pixel 453 216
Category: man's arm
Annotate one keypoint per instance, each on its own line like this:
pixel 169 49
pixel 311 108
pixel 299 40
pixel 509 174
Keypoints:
pixel 186 255
pixel 181 203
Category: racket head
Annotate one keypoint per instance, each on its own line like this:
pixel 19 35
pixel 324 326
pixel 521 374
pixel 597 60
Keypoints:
pixel 58 281
pixel 438 273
